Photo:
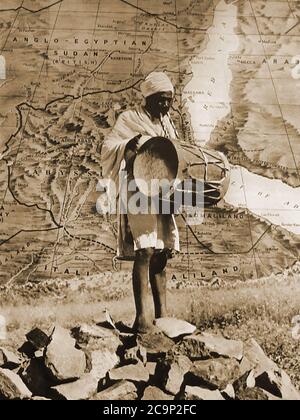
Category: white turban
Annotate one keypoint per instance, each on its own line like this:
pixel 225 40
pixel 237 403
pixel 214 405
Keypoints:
pixel 156 82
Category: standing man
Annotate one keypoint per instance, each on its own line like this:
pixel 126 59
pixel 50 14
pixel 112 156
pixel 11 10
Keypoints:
pixel 153 237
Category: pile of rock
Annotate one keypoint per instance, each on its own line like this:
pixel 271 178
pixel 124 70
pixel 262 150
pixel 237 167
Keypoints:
pixel 102 362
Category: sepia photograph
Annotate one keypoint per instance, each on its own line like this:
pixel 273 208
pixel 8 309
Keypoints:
pixel 150 202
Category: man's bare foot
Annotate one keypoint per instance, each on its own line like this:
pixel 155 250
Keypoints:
pixel 143 325
pixel 155 342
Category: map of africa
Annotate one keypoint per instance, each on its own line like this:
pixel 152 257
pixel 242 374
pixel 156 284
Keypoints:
pixel 69 67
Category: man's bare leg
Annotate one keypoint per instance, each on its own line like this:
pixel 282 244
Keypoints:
pixel 159 290
pixel 143 321
pixel 158 280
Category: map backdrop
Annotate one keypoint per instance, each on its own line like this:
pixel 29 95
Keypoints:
pixel 69 67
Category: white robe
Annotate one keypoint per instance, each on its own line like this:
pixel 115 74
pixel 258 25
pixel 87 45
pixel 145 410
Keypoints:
pixel 128 125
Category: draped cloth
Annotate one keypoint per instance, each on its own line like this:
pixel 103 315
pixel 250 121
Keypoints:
pixel 138 231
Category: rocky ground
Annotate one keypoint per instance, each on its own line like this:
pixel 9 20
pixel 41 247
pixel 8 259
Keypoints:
pixel 74 350
pixel 108 362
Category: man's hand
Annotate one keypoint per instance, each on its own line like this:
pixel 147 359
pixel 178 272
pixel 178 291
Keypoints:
pixel 131 150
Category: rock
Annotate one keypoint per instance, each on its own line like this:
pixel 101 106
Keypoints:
pixel 135 354
pixel 250 379
pixel 197 393
pixel 228 393
pixel 121 391
pixel 38 338
pixel 156 344
pixel 38 353
pixel 174 328
pixel 206 345
pixel 82 389
pixel 152 393
pixel 3 329
pixel 8 359
pixel 11 386
pixel 251 394
pixel 151 368
pixel 101 362
pixel 36 378
pixel 214 373
pixel 62 359
pixel 245 388
pixel 271 397
pixel 124 330
pixel 27 350
pixel 278 384
pixel 245 381
pixel 288 391
pixel 171 372
pixel 135 373
pixel 85 332
pixel 255 359
pixel 94 337
pixel 267 375
pixel 40 399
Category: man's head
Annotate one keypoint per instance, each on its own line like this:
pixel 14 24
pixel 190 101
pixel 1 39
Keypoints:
pixel 159 103
pixel 158 92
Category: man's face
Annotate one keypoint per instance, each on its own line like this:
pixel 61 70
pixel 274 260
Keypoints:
pixel 159 103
